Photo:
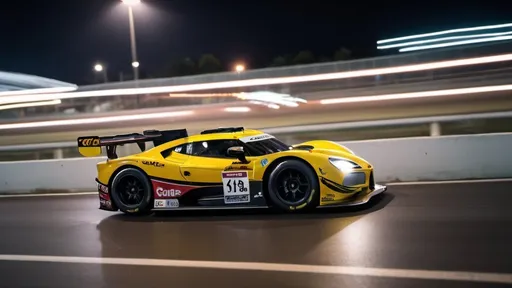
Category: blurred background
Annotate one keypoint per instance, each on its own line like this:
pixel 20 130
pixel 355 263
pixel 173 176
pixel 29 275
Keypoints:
pixel 113 67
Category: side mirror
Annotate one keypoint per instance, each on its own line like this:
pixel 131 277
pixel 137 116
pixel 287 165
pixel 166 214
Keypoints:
pixel 238 152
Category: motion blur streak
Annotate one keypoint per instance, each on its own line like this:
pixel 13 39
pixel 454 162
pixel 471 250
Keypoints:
pixel 421 94
pixel 30 104
pixel 261 81
pixel 29 92
pixel 443 39
pixel 95 120
pixel 482 40
pixel 446 32
pixel 268 97
pixel 237 109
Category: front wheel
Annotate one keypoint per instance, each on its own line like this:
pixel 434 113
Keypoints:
pixel 293 186
pixel 131 191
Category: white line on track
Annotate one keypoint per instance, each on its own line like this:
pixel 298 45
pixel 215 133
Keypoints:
pixel 275 267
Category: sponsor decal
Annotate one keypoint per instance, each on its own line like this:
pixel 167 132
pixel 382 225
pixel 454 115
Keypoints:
pixel 254 138
pixel 102 188
pixel 238 174
pixel 166 190
pixel 162 192
pixel 259 195
pixel 243 167
pixel 105 202
pixel 236 187
pixel 159 203
pixel 152 163
pixel 88 141
pixel 238 162
pixel 169 203
pixel 264 162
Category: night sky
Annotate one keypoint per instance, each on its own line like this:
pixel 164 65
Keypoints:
pixel 63 39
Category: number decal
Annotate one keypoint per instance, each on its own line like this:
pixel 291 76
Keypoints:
pixel 236 187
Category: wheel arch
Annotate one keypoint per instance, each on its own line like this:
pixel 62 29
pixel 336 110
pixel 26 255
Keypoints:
pixel 273 165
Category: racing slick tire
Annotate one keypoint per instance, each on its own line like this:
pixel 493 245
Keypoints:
pixel 293 186
pixel 132 191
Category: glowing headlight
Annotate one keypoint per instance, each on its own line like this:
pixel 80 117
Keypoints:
pixel 343 165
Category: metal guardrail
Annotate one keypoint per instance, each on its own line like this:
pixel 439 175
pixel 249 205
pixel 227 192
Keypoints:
pixel 434 122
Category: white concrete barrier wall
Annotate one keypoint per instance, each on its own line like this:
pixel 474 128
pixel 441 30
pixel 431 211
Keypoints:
pixel 407 159
pixel 74 174
pixel 438 158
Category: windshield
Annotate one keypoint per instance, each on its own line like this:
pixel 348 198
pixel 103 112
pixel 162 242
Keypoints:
pixel 265 146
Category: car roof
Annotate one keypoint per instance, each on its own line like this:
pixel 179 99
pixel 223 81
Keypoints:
pixel 225 135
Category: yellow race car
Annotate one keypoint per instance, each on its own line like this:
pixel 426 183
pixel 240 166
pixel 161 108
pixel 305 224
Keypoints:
pixel 227 168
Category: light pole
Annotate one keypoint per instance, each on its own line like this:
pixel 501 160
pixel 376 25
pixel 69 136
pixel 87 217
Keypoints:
pixel 100 68
pixel 135 62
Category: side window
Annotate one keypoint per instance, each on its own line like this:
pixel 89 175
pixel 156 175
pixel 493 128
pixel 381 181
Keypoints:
pixel 213 148
pixel 182 149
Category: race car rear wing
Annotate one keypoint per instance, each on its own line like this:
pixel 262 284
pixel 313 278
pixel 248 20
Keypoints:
pixel 90 146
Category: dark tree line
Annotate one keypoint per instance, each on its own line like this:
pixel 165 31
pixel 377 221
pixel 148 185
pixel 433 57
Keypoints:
pixel 208 63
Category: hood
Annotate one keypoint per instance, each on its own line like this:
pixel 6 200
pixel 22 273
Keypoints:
pixel 329 148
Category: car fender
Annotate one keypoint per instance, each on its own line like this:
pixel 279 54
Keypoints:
pixel 324 144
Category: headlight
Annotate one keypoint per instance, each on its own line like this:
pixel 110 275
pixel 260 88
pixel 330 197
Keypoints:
pixel 344 165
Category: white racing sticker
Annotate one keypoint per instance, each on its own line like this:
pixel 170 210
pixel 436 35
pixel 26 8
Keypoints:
pixel 167 203
pixel 258 137
pixel 236 187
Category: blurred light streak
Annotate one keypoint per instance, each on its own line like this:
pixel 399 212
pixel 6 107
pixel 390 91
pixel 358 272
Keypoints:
pixel 237 109
pixel 272 97
pixel 262 81
pixel 201 95
pixel 442 39
pixel 446 32
pixel 421 94
pixel 267 97
pixel 269 105
pixel 30 104
pixel 29 92
pixel 433 46
pixel 97 120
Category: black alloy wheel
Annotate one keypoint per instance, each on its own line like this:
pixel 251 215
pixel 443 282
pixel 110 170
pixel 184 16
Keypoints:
pixel 293 185
pixel 132 192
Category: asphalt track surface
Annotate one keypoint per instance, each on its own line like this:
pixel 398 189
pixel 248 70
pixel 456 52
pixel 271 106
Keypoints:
pixel 435 235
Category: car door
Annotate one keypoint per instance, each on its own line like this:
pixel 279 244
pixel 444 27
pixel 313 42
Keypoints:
pixel 207 160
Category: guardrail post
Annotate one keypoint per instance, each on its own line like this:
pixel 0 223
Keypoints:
pixel 435 129
pixel 58 154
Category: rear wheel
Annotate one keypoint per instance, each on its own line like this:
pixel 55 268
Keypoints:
pixel 293 186
pixel 131 191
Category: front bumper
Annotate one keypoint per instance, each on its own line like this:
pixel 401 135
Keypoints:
pixel 358 199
